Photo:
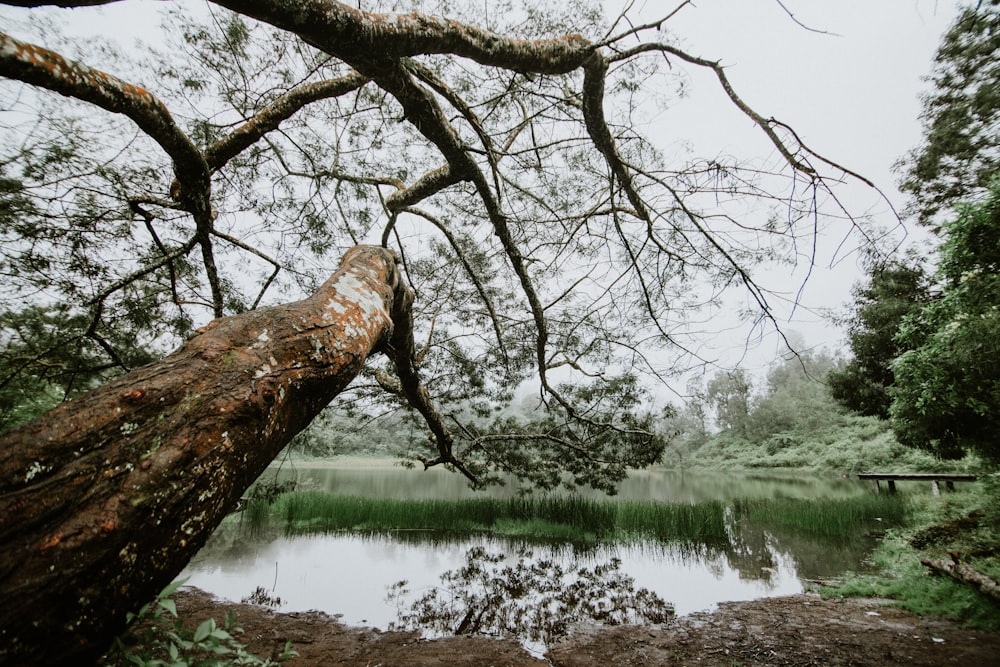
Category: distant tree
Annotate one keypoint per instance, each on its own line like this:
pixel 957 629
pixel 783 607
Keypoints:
pixel 796 398
pixel 961 118
pixel 946 395
pixel 729 393
pixel 894 290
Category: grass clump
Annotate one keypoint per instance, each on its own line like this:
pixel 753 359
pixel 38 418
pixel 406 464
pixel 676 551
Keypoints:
pixel 563 518
pixel 831 518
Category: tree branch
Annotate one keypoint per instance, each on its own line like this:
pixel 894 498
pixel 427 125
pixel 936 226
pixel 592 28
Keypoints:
pixel 38 66
pixel 352 34
pixel 268 119
pixel 401 349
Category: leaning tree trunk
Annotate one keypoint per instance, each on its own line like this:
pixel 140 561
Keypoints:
pixel 104 499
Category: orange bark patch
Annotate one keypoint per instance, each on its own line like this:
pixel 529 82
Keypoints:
pixel 51 542
pixel 134 395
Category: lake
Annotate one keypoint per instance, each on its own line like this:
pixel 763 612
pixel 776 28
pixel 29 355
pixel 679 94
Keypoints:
pixel 350 574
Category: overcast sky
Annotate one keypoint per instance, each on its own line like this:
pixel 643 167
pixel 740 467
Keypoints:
pixel 848 82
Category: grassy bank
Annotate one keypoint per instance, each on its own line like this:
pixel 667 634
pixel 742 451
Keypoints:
pixel 963 524
pixel 851 444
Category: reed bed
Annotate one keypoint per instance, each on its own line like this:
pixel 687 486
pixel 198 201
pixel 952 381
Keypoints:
pixel 828 518
pixel 564 518
pixel 577 519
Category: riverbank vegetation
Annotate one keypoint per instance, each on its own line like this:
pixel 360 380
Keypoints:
pixel 963 526
pixel 573 519
pixel 788 420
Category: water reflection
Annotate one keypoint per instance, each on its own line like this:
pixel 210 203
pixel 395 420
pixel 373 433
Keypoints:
pixel 350 575
pixel 353 575
pixel 534 599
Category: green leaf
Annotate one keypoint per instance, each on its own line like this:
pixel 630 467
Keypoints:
pixel 204 630
pixel 170 606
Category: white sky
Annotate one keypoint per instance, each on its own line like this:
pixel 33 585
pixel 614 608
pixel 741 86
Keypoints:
pixel 851 95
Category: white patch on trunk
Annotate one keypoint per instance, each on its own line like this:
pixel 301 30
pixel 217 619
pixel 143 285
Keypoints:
pixel 262 340
pixel 351 291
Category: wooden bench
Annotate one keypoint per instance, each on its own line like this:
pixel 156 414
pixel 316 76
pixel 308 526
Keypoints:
pixel 934 478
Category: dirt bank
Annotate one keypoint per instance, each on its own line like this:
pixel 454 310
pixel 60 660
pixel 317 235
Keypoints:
pixel 795 630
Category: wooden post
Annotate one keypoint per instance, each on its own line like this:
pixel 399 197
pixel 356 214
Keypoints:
pixel 935 488
pixel 892 486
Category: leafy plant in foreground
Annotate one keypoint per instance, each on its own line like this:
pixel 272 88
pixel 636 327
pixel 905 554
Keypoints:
pixel 158 638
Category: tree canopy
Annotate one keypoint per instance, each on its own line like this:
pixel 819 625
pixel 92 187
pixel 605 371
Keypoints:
pixel 500 154
pixel 946 397
pixel 894 290
pixel 960 153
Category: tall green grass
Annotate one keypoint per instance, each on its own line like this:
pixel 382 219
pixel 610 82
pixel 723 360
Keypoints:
pixel 825 518
pixel 577 519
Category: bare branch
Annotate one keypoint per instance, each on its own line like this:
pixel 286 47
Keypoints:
pixel 765 124
pixel 223 150
pixel 801 24
pixel 654 25
pixel 402 350
pixel 480 288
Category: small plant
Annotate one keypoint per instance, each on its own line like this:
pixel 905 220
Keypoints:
pixel 261 597
pixel 156 637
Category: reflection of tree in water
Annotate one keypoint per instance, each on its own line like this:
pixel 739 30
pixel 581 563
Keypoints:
pixel 534 600
pixel 751 552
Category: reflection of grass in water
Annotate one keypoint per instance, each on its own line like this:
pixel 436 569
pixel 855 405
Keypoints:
pixel 827 518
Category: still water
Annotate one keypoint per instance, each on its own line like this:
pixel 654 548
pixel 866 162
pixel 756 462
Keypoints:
pixel 350 575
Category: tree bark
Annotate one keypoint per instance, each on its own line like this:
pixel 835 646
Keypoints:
pixel 104 500
pixel 965 573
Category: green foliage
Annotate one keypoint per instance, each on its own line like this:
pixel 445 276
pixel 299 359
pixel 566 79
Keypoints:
pixel 947 393
pixel 894 291
pixel 729 393
pixel 961 151
pixel 348 431
pixel 258 501
pixel 540 445
pixel 850 444
pixel 49 354
pixel 797 403
pixel 796 424
pixel 158 638
pixel 939 526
